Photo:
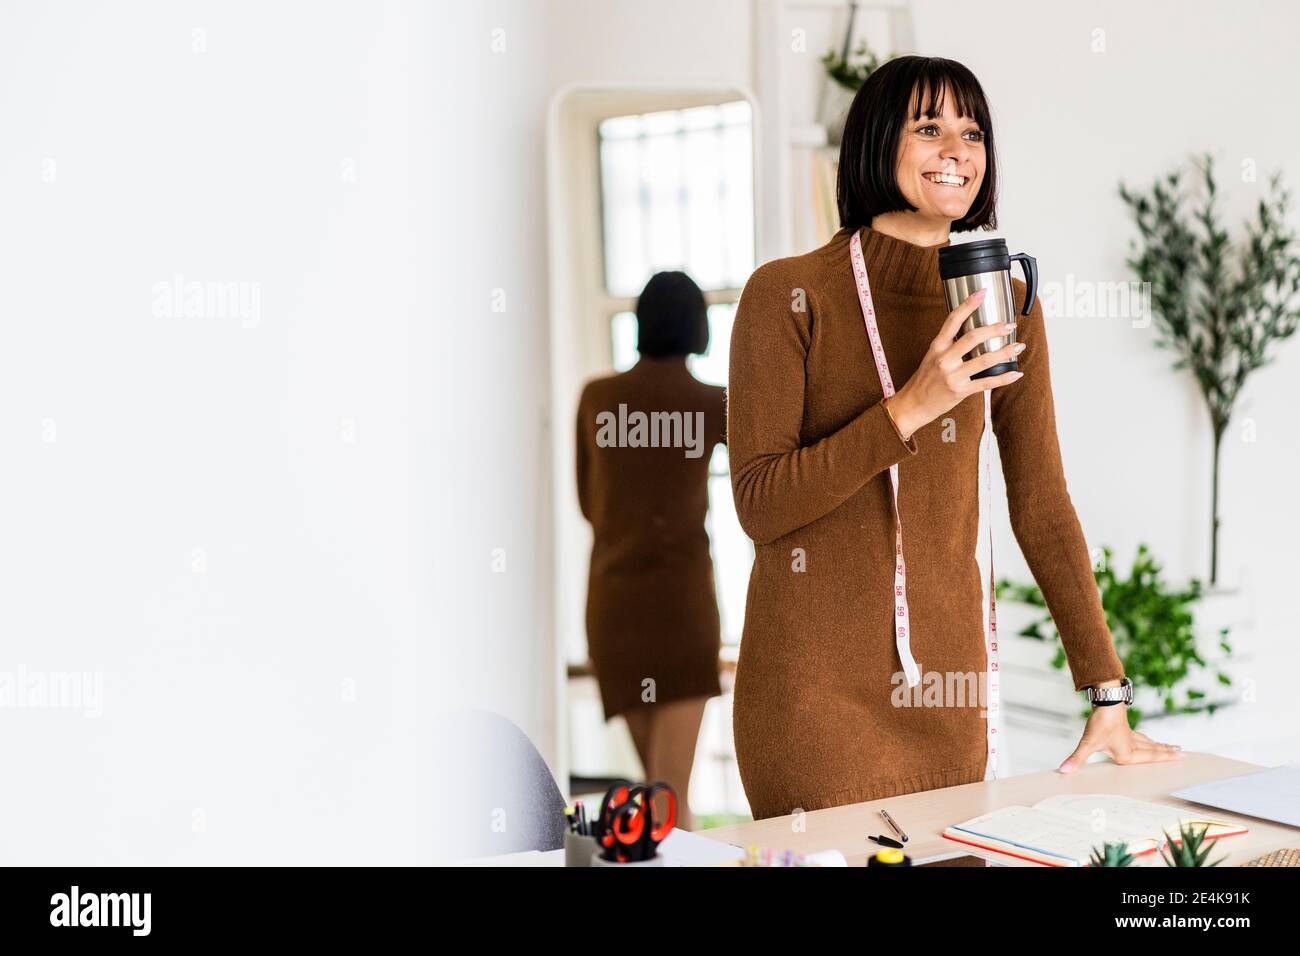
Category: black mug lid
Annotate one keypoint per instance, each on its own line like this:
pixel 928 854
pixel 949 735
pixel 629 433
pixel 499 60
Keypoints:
pixel 971 258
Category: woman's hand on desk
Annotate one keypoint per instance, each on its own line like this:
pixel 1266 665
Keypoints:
pixel 1107 731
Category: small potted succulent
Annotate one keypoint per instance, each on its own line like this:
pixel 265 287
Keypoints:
pixel 1112 854
pixel 1193 848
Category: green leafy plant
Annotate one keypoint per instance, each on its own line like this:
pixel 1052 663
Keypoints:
pixel 1113 854
pixel 1220 319
pixel 842 68
pixel 1152 626
pixel 1193 850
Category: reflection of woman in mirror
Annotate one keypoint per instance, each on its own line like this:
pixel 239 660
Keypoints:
pixel 644 441
pixel 821 716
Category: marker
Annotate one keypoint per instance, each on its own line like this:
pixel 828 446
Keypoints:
pixel 894 826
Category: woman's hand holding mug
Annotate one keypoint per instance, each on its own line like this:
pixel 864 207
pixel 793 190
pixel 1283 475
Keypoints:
pixel 944 376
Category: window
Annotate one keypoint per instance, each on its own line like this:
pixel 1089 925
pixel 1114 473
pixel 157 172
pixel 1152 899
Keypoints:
pixel 677 192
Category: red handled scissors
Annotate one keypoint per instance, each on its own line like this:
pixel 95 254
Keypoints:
pixel 629 829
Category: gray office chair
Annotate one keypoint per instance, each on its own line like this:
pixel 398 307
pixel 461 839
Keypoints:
pixel 501 797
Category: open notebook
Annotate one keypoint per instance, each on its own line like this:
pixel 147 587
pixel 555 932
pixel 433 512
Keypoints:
pixel 1063 830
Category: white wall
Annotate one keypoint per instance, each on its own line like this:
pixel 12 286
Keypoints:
pixel 228 519
pixel 489 343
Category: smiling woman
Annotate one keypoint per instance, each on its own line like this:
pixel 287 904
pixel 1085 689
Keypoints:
pixel 820 714
pixel 921 150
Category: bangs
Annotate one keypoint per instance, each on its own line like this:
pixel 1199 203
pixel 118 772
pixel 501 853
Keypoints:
pixel 935 79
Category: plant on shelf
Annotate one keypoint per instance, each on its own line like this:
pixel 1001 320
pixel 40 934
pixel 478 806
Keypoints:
pixel 1151 625
pixel 845 73
pixel 850 70
pixel 1219 319
pixel 1113 854
pixel 1193 848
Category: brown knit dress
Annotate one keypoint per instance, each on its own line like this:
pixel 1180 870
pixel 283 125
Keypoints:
pixel 816 717
pixel 652 612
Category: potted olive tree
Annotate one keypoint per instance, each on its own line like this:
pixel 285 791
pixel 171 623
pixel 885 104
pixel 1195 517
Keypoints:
pixel 1220 308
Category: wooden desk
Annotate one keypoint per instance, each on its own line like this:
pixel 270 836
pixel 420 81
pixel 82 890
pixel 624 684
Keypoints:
pixel 923 816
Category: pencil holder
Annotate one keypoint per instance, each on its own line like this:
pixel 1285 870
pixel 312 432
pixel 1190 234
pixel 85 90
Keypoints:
pixel 598 859
pixel 578 849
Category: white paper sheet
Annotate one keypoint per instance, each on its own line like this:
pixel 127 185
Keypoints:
pixel 1267 794
pixel 683 848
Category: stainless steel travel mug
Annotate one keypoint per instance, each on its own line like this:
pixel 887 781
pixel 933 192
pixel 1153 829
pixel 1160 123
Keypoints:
pixel 985 264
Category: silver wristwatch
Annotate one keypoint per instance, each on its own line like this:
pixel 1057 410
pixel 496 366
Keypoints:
pixel 1106 696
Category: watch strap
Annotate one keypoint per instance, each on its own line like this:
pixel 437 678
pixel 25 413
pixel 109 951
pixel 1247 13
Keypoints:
pixel 1108 696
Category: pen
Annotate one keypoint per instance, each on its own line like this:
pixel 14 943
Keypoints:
pixel 894 826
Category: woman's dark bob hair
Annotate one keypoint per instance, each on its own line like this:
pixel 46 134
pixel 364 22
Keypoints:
pixel 868 182
pixel 671 316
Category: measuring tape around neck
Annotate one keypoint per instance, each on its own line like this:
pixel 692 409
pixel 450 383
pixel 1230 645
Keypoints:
pixel 902 636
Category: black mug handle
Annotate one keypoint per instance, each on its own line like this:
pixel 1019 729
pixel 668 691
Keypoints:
pixel 1028 265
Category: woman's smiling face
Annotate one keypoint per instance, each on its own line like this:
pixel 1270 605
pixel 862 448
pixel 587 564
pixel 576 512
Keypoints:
pixel 941 161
